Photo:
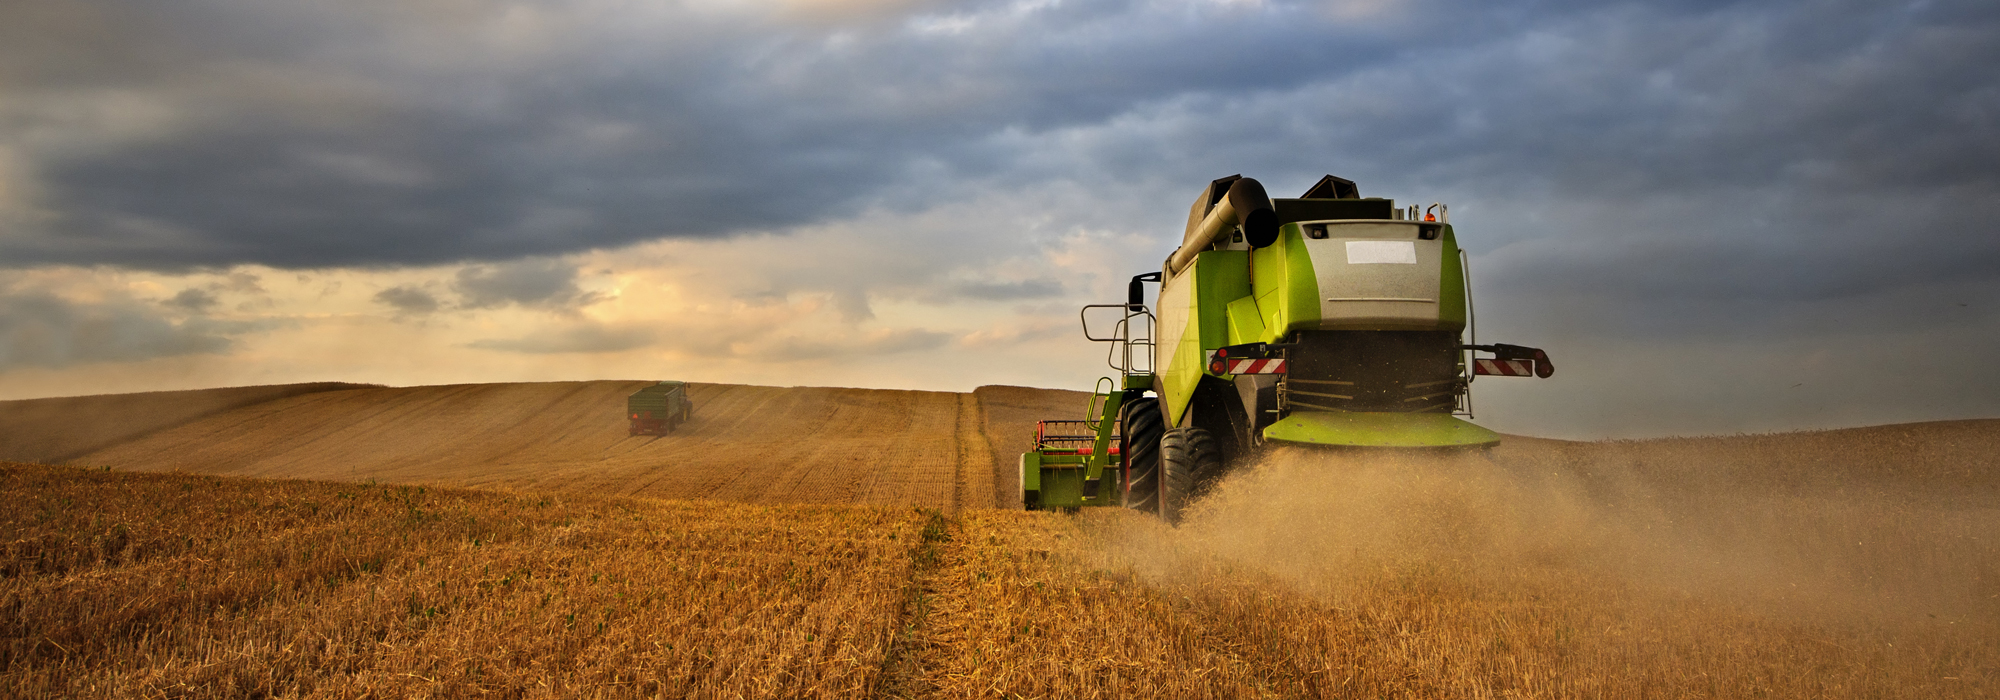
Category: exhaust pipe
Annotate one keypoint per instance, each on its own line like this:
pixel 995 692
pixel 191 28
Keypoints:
pixel 1244 205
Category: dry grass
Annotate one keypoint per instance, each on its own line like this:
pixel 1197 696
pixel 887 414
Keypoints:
pixel 1842 564
pixel 1012 611
pixel 146 585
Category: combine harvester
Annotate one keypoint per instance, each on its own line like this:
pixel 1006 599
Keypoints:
pixel 1326 320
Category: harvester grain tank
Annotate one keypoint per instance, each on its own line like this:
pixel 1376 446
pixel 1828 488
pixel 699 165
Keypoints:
pixel 1331 320
pixel 658 409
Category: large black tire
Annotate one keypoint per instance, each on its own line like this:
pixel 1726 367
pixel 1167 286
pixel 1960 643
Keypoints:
pixel 1189 462
pixel 1140 426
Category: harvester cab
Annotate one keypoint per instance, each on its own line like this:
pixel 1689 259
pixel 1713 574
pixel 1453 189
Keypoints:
pixel 1330 319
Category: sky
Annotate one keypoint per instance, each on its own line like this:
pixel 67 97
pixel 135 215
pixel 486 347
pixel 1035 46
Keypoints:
pixel 1717 217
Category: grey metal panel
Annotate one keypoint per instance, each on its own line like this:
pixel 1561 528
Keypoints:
pixel 1379 296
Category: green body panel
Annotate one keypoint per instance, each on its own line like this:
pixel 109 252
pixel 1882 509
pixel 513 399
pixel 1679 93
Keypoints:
pixel 1105 425
pixel 1379 430
pixel 1183 371
pixel 1286 286
pixel 1218 278
pixel 1451 289
pixel 1246 325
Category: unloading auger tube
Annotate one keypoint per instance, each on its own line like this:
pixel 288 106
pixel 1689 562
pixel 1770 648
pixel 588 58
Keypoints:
pixel 1330 319
pixel 1243 206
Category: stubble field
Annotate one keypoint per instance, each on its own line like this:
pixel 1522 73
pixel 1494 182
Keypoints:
pixel 802 543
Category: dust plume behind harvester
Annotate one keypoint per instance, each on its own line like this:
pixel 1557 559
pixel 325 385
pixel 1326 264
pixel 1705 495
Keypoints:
pixel 1330 319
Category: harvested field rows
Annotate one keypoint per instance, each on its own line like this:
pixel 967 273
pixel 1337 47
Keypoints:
pixel 62 429
pixel 1852 563
pixel 139 585
pixel 746 443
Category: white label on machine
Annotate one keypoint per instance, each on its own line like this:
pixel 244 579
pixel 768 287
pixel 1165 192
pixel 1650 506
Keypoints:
pixel 1370 252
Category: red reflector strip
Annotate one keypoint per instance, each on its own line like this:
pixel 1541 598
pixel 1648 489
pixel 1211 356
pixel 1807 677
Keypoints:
pixel 1256 367
pixel 1504 368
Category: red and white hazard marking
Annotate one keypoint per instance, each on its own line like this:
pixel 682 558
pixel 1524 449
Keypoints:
pixel 1504 368
pixel 1256 367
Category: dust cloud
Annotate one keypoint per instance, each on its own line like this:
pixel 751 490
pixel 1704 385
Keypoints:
pixel 1845 526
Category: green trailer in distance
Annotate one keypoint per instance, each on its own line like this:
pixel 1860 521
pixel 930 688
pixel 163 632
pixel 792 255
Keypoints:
pixel 658 409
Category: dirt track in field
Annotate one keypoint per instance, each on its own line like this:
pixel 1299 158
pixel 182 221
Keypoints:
pixel 745 443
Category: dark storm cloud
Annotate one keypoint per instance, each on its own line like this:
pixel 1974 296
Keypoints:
pixel 360 135
pixel 375 133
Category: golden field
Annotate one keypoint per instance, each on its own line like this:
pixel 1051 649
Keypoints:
pixel 1854 563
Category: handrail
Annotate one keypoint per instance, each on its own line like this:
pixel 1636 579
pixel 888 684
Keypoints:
pixel 1131 338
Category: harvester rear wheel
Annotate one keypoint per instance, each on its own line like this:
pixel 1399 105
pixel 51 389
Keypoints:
pixel 1140 427
pixel 1189 460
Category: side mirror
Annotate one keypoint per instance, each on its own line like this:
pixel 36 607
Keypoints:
pixel 1135 294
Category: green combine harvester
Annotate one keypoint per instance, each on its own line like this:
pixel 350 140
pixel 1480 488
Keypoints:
pixel 1330 320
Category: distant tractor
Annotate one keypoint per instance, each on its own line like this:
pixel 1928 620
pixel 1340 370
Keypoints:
pixel 1328 320
pixel 658 409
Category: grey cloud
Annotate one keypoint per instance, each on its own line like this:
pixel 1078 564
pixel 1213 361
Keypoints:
pixel 530 282
pixel 852 305
pixel 241 282
pixel 887 342
pixel 193 301
pixel 584 338
pixel 407 300
pixel 42 330
pixel 1039 288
